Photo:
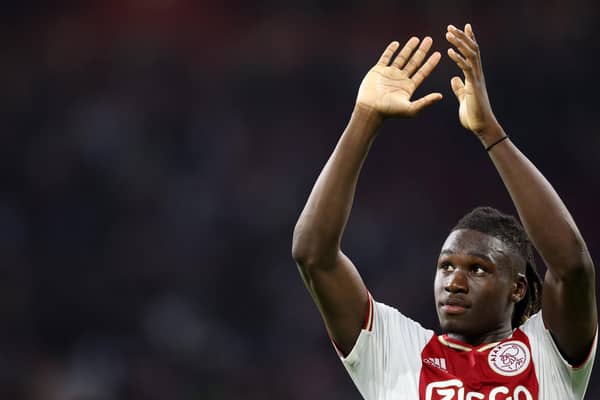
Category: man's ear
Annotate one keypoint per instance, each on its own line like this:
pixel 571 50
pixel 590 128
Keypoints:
pixel 519 288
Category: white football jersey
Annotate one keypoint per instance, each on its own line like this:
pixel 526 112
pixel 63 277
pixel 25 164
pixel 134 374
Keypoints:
pixel 395 358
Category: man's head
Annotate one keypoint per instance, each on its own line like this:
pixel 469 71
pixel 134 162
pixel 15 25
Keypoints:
pixel 486 279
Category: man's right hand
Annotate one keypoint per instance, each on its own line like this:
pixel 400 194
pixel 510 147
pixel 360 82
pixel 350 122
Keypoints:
pixel 387 88
pixel 475 112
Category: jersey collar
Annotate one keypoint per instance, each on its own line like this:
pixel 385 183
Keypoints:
pixel 458 345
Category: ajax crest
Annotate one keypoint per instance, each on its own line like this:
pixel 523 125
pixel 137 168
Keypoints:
pixel 509 358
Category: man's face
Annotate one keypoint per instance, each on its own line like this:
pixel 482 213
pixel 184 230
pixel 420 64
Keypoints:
pixel 474 286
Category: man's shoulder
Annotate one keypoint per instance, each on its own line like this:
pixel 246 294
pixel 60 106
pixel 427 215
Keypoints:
pixel 389 319
pixel 534 325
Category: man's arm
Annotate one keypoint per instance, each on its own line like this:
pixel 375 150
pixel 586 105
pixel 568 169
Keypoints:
pixel 331 278
pixel 569 303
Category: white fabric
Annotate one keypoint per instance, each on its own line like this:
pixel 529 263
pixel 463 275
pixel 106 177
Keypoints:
pixel 557 379
pixel 385 363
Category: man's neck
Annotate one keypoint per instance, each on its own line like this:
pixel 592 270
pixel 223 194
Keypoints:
pixel 477 340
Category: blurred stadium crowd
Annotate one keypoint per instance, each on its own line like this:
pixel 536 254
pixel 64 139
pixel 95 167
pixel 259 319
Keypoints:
pixel 156 154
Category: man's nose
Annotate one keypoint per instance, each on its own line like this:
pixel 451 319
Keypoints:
pixel 457 282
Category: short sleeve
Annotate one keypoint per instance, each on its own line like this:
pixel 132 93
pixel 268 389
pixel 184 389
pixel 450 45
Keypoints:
pixel 556 377
pixel 387 354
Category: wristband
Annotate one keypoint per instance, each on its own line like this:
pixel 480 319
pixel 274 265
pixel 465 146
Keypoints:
pixel 496 142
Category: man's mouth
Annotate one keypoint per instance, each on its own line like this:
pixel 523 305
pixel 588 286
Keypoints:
pixel 453 309
pixel 454 306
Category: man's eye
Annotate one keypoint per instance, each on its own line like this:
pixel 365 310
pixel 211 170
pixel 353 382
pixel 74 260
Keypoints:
pixel 478 269
pixel 446 266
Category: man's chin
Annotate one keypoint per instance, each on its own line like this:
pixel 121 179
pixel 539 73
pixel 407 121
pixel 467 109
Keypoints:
pixel 454 325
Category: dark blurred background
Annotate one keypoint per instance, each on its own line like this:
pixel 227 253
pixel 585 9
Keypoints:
pixel 156 155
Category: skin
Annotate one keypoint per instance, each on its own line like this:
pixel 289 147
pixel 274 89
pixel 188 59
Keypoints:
pixel 478 281
pixel 330 276
pixel 332 279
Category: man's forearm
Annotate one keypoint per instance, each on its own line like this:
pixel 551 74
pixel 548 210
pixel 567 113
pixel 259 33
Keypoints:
pixel 545 217
pixel 385 91
pixel 319 229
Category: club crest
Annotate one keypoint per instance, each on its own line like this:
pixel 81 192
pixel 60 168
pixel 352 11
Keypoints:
pixel 509 358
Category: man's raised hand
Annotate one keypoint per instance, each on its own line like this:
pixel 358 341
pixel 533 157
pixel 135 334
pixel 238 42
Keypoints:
pixel 389 85
pixel 475 112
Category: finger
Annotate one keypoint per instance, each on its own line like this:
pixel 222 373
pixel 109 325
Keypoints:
pixel 458 87
pixel 468 40
pixel 462 34
pixel 463 64
pixel 424 102
pixel 471 35
pixel 388 53
pixel 459 41
pixel 406 51
pixel 469 32
pixel 426 68
pixel 417 59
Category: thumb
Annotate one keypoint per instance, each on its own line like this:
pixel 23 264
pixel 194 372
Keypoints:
pixel 458 87
pixel 425 101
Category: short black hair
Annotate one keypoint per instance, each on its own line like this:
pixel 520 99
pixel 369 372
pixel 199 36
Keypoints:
pixel 507 228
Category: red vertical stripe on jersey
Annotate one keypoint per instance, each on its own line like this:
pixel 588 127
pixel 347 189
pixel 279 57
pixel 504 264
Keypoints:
pixel 503 371
pixel 368 322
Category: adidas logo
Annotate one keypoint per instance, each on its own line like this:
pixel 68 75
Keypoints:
pixel 436 362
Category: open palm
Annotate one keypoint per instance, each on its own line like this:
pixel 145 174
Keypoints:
pixel 387 88
pixel 474 110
